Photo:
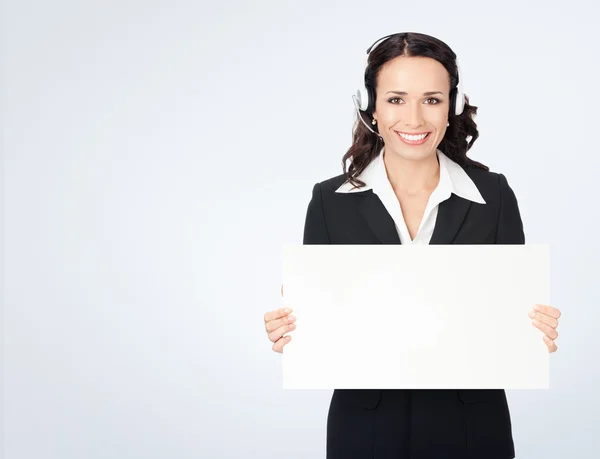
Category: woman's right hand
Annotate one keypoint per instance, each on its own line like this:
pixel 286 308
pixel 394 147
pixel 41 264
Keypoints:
pixel 278 323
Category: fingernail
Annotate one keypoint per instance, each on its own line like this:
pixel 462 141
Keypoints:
pixel 291 318
pixel 536 307
pixel 531 314
pixel 287 311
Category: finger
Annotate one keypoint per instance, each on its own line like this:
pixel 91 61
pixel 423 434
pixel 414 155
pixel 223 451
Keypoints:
pixel 278 346
pixel 275 324
pixel 279 332
pixel 552 347
pixel 548 310
pixel 547 329
pixel 544 318
pixel 278 313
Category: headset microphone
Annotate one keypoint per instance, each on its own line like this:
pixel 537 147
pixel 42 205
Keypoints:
pixel 359 114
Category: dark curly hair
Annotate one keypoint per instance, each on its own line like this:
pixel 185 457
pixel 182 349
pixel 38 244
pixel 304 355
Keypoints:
pixel 455 144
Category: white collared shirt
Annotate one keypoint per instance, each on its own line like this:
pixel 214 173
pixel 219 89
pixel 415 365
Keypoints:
pixel 453 179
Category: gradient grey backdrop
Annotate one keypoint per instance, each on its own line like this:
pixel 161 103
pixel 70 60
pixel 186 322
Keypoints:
pixel 157 154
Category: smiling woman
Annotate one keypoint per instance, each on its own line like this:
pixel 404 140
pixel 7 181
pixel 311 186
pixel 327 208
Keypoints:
pixel 409 181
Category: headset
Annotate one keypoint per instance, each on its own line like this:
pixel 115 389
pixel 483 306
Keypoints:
pixel 363 96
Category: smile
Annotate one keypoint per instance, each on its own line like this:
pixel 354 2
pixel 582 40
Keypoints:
pixel 413 139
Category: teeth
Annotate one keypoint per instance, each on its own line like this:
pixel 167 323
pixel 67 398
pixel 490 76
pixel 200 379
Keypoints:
pixel 412 137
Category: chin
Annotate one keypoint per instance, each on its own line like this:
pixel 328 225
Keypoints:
pixel 413 153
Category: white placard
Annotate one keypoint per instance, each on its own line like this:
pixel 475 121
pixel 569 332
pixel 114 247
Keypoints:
pixel 415 316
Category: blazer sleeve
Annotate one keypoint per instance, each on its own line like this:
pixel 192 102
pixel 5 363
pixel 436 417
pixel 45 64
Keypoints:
pixel 510 225
pixel 315 227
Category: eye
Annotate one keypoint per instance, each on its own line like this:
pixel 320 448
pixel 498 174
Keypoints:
pixel 435 99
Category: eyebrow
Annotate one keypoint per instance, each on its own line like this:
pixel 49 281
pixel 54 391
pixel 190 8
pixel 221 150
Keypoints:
pixel 402 93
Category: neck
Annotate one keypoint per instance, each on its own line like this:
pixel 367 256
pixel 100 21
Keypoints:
pixel 412 176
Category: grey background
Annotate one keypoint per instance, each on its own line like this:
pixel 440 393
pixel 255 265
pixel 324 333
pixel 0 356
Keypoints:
pixel 156 156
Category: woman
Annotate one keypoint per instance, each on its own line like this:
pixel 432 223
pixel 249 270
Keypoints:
pixel 410 181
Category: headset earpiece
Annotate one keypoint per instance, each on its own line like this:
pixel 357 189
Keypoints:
pixel 363 98
pixel 460 96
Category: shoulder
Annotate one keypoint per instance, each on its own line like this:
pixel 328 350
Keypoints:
pixel 490 184
pixel 331 184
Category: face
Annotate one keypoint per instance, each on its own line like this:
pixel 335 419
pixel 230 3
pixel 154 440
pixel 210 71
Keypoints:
pixel 412 99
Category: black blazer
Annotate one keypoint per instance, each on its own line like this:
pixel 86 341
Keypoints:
pixel 442 424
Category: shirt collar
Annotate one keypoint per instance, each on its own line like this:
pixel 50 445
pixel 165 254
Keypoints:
pixel 453 179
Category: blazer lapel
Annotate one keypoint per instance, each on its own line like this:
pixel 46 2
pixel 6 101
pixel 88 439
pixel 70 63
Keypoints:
pixel 378 218
pixel 451 214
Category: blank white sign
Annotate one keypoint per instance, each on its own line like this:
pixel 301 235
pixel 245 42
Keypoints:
pixel 415 316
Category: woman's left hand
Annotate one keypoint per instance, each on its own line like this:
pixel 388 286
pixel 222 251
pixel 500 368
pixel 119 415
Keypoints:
pixel 546 319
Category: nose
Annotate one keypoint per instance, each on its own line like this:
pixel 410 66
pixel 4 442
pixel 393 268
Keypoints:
pixel 414 118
